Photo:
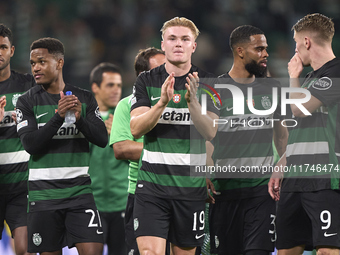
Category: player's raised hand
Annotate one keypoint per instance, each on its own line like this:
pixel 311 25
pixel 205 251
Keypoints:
pixel 295 66
pixel 167 90
pixel 2 107
pixel 66 103
pixel 191 86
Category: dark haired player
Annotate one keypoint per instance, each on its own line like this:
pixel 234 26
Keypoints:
pixel 109 176
pixel 61 209
pixel 125 146
pixel 13 157
pixel 242 219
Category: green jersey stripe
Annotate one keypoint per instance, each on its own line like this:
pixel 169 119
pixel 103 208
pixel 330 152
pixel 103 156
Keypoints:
pixel 10 178
pixel 251 161
pixel 174 145
pixel 59 193
pixel 59 160
pixel 173 180
pixel 255 150
pixel 304 136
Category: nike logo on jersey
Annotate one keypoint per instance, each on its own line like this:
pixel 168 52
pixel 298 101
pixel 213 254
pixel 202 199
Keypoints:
pixel 39 116
pixel 154 98
pixel 99 232
pixel 328 235
pixel 199 236
pixel 229 109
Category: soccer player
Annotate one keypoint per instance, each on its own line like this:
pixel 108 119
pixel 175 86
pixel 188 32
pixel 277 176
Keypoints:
pixel 169 203
pixel 125 146
pixel 13 157
pixel 61 207
pixel 308 208
pixel 242 219
pixel 109 176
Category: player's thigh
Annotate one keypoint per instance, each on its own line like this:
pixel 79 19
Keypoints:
pixel 187 223
pixel 324 211
pixel 46 231
pixel 151 216
pixel 16 210
pixel 293 226
pixel 226 227
pixel 83 224
pixel 259 223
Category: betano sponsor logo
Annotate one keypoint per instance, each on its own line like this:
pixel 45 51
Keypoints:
pixel 175 116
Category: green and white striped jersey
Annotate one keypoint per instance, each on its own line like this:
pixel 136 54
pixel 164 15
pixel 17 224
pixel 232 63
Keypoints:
pixel 58 166
pixel 13 157
pixel 173 145
pixel 313 148
pixel 245 141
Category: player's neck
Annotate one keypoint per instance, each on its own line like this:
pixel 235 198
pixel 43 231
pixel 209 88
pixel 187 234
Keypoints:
pixel 320 57
pixel 178 69
pixel 5 73
pixel 55 87
pixel 241 75
pixel 101 105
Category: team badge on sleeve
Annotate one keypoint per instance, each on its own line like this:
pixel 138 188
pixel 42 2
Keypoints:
pixel 97 112
pixel 176 98
pixel 323 83
pixel 19 115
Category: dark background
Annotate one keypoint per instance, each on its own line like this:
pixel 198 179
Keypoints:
pixel 114 30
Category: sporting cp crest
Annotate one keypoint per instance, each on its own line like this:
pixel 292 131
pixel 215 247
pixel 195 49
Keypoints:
pixel 15 99
pixel 266 103
pixel 135 223
pixel 37 239
pixel 176 98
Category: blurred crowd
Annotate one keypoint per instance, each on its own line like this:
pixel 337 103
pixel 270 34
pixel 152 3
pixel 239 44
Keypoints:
pixel 94 31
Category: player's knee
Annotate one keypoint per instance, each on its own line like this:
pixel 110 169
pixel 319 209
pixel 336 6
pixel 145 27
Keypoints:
pixel 257 252
pixel 148 252
pixel 327 251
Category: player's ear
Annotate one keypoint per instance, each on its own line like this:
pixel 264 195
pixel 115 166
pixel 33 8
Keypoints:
pixel 60 63
pixel 94 88
pixel 194 47
pixel 307 42
pixel 12 50
pixel 162 46
pixel 239 51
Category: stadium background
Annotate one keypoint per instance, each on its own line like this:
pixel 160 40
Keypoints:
pixel 114 30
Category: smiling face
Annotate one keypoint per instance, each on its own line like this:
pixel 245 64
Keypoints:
pixel 178 44
pixel 255 55
pixel 6 52
pixel 45 66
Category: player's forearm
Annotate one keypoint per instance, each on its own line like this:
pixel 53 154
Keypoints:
pixel 280 138
pixel 127 150
pixel 203 123
pixel 35 141
pixel 143 122
pixel 94 130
